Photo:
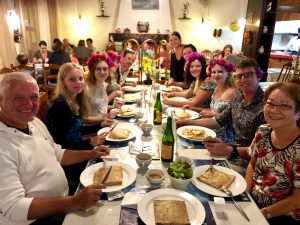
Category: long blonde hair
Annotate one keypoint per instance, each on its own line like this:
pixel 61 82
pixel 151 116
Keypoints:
pixel 81 105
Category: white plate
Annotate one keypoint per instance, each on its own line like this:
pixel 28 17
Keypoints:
pixel 208 131
pixel 194 207
pixel 169 88
pixel 127 116
pixel 131 98
pixel 237 187
pixel 131 89
pixel 133 130
pixel 129 175
pixel 179 99
pixel 194 115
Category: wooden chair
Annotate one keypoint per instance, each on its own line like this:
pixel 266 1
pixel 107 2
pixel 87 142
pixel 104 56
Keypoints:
pixel 216 53
pixel 285 72
pixel 48 87
pixel 44 105
pixel 6 70
pixel 162 44
pixel 136 48
pixel 208 54
pixel 30 68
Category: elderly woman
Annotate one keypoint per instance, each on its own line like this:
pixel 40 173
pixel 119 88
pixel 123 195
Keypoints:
pixel 201 87
pixel 273 174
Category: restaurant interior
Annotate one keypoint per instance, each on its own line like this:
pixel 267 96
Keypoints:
pixel 148 191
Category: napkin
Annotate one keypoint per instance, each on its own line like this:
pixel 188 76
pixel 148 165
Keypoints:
pixel 131 199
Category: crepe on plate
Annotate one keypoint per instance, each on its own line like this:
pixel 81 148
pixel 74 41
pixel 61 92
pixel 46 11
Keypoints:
pixel 194 133
pixel 115 177
pixel 182 115
pixel 126 112
pixel 119 133
pixel 168 212
pixel 216 178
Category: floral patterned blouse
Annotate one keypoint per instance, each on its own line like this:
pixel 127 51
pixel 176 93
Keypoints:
pixel 206 85
pixel 277 171
pixel 226 132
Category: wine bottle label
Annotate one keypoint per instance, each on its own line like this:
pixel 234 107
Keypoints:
pixel 166 151
pixel 158 117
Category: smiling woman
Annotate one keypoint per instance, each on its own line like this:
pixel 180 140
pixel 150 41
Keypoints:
pixel 273 172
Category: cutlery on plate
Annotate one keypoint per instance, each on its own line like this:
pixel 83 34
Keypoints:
pixel 229 193
pixel 211 164
pixel 113 127
pixel 106 175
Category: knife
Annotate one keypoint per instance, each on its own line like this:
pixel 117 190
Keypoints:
pixel 106 175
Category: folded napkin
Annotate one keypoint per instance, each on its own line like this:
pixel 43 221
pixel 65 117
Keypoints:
pixel 131 199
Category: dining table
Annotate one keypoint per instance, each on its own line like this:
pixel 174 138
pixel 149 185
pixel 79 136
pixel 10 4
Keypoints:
pixel 112 210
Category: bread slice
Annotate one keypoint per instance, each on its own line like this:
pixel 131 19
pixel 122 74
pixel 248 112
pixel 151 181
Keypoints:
pixel 170 212
pixel 216 178
pixel 119 133
pixel 115 177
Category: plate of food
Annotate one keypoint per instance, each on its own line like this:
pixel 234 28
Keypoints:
pixel 122 132
pixel 130 98
pixel 131 89
pixel 183 114
pixel 196 133
pixel 126 112
pixel 121 175
pixel 170 88
pixel 170 206
pixel 211 181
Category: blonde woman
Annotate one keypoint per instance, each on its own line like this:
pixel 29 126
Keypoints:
pixel 224 93
pixel 70 105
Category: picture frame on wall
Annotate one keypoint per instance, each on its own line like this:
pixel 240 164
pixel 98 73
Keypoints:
pixel 145 4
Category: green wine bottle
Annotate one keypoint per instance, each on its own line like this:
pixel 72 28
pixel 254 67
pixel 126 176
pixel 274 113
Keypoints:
pixel 167 146
pixel 157 114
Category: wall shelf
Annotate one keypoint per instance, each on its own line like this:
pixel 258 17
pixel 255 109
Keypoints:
pixel 184 18
pixel 102 16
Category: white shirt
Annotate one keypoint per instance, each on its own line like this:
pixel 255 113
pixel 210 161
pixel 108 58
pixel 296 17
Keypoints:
pixel 293 44
pixel 30 168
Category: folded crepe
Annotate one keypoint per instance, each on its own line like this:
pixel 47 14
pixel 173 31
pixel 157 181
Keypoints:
pixel 170 212
pixel 216 178
pixel 119 133
pixel 182 115
pixel 115 177
pixel 126 112
pixel 193 133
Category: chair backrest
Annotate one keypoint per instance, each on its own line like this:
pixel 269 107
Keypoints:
pixel 161 45
pixel 208 54
pixel 31 69
pixel 216 53
pixel 6 70
pixel 284 74
pixel 136 48
pixel 44 105
pixel 49 88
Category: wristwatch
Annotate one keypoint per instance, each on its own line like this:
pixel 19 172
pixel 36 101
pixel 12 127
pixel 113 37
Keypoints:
pixel 234 154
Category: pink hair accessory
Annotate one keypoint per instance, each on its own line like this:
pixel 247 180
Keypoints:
pixel 221 62
pixel 102 56
pixel 192 57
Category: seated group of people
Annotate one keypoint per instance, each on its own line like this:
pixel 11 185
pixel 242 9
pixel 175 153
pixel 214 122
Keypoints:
pixel 235 106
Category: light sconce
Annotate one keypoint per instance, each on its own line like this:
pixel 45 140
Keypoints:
pixel 101 3
pixel 14 23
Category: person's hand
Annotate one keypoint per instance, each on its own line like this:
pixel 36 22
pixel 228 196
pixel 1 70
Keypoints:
pixel 207 113
pixel 216 147
pixel 100 151
pixel 187 107
pixel 98 139
pixel 107 122
pixel 166 100
pixel 119 93
pixel 170 95
pixel 113 113
pixel 169 82
pixel 88 197
pixel 180 123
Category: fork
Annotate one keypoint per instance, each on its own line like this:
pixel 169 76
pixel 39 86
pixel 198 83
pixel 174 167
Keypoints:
pixel 229 193
pixel 211 164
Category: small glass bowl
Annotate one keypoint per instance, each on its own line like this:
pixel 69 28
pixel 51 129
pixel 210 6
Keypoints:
pixel 146 128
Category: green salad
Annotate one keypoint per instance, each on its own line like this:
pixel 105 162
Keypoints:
pixel 180 169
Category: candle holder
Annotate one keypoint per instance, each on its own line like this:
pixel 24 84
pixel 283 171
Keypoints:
pixel 101 3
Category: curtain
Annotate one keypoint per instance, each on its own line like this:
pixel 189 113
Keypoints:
pixel 8 50
pixel 52 10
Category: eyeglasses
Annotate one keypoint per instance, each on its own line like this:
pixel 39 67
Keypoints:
pixel 239 76
pixel 280 107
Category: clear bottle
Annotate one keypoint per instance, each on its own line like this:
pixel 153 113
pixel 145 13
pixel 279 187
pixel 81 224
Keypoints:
pixel 157 114
pixel 168 142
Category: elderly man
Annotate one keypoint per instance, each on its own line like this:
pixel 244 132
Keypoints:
pixel 245 113
pixel 122 71
pixel 33 183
